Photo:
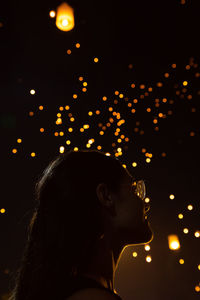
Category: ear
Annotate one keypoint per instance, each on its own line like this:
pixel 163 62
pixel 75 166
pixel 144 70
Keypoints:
pixel 106 198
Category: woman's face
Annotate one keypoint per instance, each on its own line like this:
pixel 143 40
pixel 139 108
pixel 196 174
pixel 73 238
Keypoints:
pixel 129 221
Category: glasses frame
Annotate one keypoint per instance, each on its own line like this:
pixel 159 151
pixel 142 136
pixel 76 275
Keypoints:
pixel 138 187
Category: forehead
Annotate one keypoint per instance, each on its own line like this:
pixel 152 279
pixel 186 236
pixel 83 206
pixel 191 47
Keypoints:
pixel 128 177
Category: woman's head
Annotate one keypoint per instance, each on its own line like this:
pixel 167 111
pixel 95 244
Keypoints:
pixel 80 196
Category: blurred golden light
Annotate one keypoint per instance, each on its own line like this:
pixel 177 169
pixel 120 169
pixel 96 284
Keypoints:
pixel 148 258
pixel 132 85
pixel 14 151
pixel 192 133
pixel 19 140
pixel 181 261
pixel 134 254
pixel 148 160
pixel 173 242
pixel 62 149
pixel 68 142
pixel 185 230
pixel 32 92
pixel 84 83
pixel 86 126
pixel 75 96
pixel 65 17
pixel 180 216
pixel 185 83
pixel 134 164
pixel 147 247
pixel 2 210
pixel 96 59
pixel 190 207
pixel 171 197
pixel 197 234
pixel 147 200
pixel 78 45
pixel 52 14
pixel 33 154
pixel 173 66
pixel 197 288
pixel 58 121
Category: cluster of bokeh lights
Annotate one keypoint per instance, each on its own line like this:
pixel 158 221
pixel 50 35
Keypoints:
pixel 183 91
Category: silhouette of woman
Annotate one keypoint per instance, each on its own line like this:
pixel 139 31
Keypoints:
pixel 89 208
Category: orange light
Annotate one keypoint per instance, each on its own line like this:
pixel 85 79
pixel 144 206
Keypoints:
pixel 65 17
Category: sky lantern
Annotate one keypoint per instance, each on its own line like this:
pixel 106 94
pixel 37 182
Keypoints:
pixel 173 242
pixel 65 17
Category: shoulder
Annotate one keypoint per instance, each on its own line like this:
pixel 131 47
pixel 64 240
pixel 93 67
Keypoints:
pixel 92 293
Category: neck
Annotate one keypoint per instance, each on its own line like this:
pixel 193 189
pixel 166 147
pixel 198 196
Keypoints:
pixel 102 266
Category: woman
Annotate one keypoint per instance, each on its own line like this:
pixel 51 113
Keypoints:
pixel 88 209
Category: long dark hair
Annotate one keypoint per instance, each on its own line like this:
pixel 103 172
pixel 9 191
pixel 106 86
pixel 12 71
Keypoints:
pixel 65 223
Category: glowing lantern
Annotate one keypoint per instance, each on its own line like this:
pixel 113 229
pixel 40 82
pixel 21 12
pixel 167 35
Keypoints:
pixel 173 242
pixel 65 17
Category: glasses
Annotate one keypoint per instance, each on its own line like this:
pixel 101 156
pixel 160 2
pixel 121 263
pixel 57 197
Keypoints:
pixel 138 187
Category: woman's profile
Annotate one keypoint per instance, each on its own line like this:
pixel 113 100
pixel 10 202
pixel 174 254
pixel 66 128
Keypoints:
pixel 89 207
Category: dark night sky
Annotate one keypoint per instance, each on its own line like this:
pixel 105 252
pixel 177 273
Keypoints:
pixel 150 35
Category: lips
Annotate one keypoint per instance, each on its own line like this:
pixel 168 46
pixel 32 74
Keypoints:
pixel 146 210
